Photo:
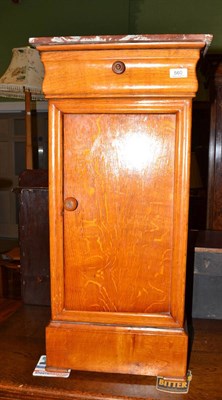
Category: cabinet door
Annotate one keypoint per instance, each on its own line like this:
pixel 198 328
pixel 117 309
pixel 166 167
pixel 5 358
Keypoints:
pixel 118 242
pixel 120 262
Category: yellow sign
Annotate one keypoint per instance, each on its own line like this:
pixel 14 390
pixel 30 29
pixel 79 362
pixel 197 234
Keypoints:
pixel 174 385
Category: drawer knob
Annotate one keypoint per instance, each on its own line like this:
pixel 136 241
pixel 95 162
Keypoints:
pixel 118 67
pixel 70 204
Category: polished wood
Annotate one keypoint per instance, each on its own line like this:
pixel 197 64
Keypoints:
pixel 10 274
pixel 22 342
pixel 119 350
pixel 8 307
pixel 120 146
pixel 13 254
pixel 91 76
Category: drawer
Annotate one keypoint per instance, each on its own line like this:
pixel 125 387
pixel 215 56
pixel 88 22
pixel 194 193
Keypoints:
pixel 120 73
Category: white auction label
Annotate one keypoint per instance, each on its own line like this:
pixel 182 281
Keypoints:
pixel 178 72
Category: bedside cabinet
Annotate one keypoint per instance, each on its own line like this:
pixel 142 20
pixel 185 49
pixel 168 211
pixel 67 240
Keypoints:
pixel 119 140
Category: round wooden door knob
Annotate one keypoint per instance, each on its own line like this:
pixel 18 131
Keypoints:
pixel 70 204
pixel 118 67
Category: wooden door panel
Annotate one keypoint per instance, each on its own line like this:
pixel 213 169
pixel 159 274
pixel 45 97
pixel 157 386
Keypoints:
pixel 118 242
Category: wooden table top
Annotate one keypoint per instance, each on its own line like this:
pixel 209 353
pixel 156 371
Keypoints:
pixel 22 343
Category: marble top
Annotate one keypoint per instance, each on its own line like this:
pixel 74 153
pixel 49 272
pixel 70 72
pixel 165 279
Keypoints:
pixel 105 39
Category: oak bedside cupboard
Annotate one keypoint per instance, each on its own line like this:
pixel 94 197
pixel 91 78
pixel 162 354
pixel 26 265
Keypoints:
pixel 119 140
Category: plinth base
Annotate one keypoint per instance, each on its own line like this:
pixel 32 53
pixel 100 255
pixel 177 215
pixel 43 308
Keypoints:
pixel 117 349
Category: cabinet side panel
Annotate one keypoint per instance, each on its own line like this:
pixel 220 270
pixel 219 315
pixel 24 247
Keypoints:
pixel 118 242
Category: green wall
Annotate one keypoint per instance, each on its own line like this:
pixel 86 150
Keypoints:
pixel 33 18
pixel 181 16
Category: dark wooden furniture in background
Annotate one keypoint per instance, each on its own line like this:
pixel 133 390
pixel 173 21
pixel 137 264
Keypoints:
pixel 207 275
pixel 10 285
pixel 32 195
pixel 12 161
pixel 204 295
pixel 213 70
pixel 119 140
pixel 22 342
pixel 199 165
pixel 7 308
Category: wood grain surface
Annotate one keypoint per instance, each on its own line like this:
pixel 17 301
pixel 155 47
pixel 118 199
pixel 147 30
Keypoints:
pixel 22 342
pixel 119 241
pixel 119 141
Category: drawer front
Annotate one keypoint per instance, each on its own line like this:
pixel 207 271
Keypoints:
pixel 120 73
